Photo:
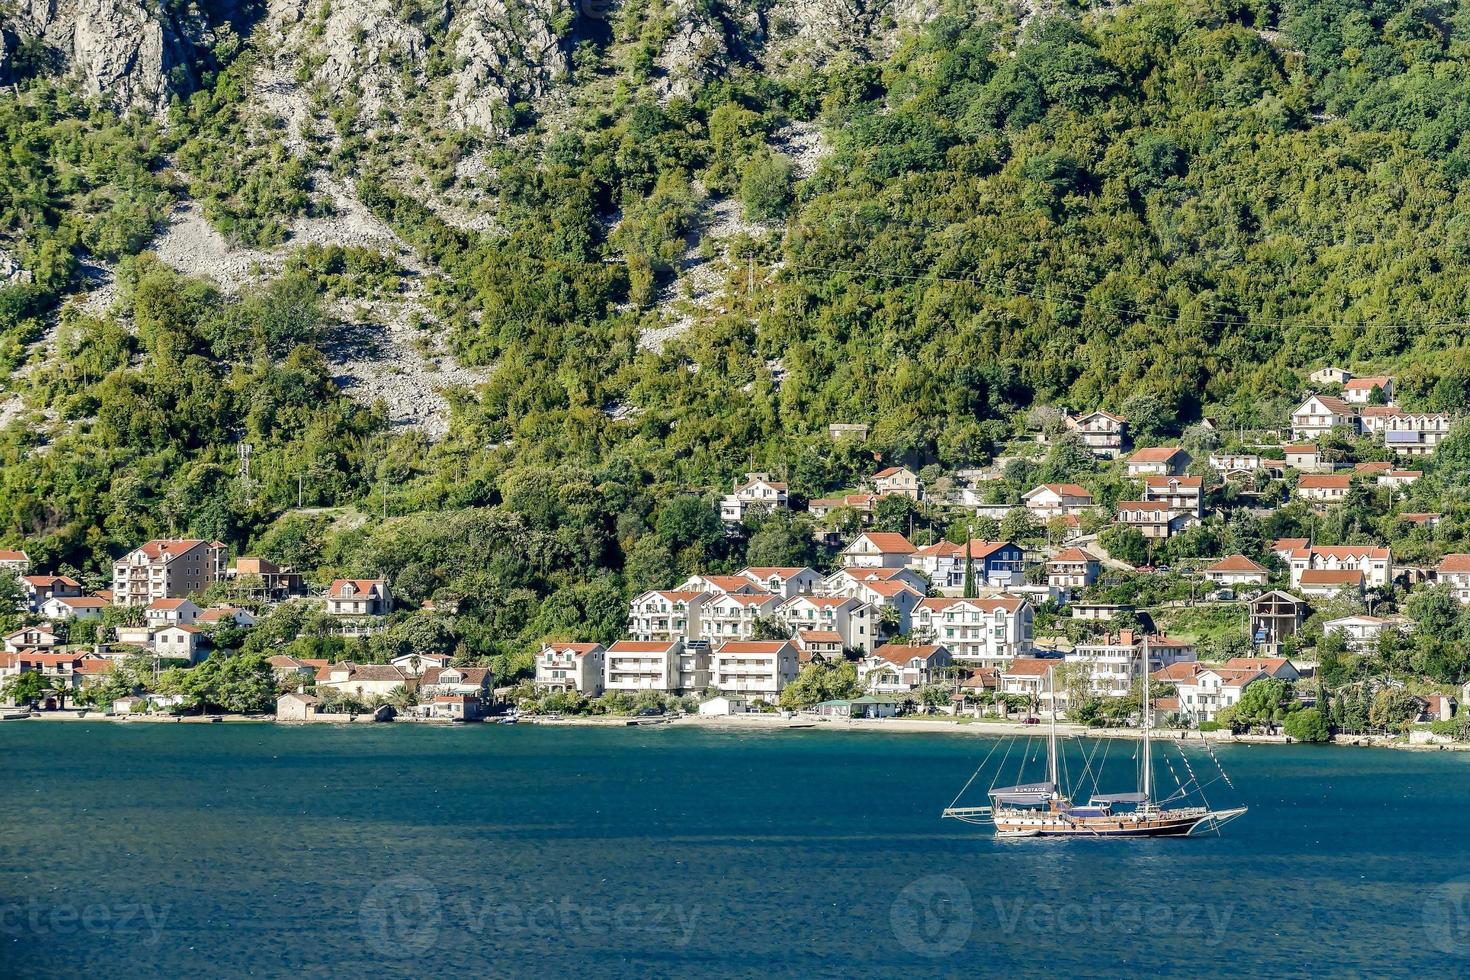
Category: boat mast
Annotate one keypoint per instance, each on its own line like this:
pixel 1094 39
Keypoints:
pixel 1146 783
pixel 1051 734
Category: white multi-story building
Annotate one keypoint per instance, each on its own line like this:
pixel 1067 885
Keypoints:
pixel 785 582
pixel 997 564
pixel 977 632
pixel 1237 570
pixel 1072 570
pixel 732 616
pixel 1375 562
pixel 1102 432
pixel 1057 499
pixel 754 668
pixel 1115 662
pixel 667 616
pixel 1213 688
pixel 1361 633
pixel 898 668
pixel 1320 414
pixel 852 620
pixel 639 665
pixel 1454 571
pixel 575 667
pixel 166 569
pixel 878 549
pixel 1359 391
pixel 1185 494
pixel 1324 488
pixel 166 612
pixel 759 493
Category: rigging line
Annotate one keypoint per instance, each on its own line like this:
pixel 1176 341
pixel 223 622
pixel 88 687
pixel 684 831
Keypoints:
pixel 974 774
pixel 1000 769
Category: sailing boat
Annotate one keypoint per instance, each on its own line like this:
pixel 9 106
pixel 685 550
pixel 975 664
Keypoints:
pixel 1045 809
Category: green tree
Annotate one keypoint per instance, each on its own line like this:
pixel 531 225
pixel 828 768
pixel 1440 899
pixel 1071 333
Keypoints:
pixel 1307 725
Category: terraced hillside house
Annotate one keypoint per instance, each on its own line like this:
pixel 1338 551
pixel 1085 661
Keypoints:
pixel 1072 570
pixel 1319 415
pixel 756 494
pixel 1158 461
pixel 1103 433
pixel 166 569
pixel 1374 561
pixel 36 589
pixel 899 480
pixel 997 564
pixel 359 597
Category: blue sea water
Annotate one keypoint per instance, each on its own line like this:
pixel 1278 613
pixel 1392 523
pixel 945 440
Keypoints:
pixel 138 850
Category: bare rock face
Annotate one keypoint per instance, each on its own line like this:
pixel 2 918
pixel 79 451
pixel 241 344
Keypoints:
pixel 464 64
pixel 129 50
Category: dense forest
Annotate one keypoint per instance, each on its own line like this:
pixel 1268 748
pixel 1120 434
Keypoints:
pixel 1175 210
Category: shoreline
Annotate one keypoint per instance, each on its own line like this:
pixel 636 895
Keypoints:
pixel 776 722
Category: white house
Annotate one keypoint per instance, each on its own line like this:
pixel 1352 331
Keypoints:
pixel 850 581
pixel 1102 432
pixel 1237 570
pixel 362 681
pixel 1320 414
pixel 17 563
pixel 1056 499
pixel 732 616
pixel 1358 391
pixel 878 549
pixel 73 607
pixel 1331 376
pixel 1158 461
pixel 359 597
pixel 166 612
pixel 899 597
pixel 1179 493
pixel 1214 688
pixel 31 638
pixel 1033 678
pixel 1360 632
pixel 754 668
pixel 897 668
pixel 641 665
pixel 569 667
pixel 759 493
pixel 666 616
pixel 1154 518
pixel 997 564
pixel 39 588
pixel 1374 561
pixel 1326 584
pixel 1454 571
pixel 988 632
pixel 1072 570
pixel 215 615
pixel 851 620
pixel 898 480
pixel 785 582
pixel 1323 488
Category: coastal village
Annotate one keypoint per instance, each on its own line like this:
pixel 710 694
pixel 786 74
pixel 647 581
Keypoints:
pixel 1124 567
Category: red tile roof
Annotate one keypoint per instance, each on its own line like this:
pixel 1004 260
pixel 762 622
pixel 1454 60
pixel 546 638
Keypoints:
pixel 1323 481
pixel 1235 563
pixel 1157 454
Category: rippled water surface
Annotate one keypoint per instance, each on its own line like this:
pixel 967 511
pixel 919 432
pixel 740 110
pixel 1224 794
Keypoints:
pixel 398 850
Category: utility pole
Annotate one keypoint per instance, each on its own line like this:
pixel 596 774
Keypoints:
pixel 243 450
pixel 298 491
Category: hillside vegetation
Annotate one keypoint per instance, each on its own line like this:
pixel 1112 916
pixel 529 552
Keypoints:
pixel 1166 208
